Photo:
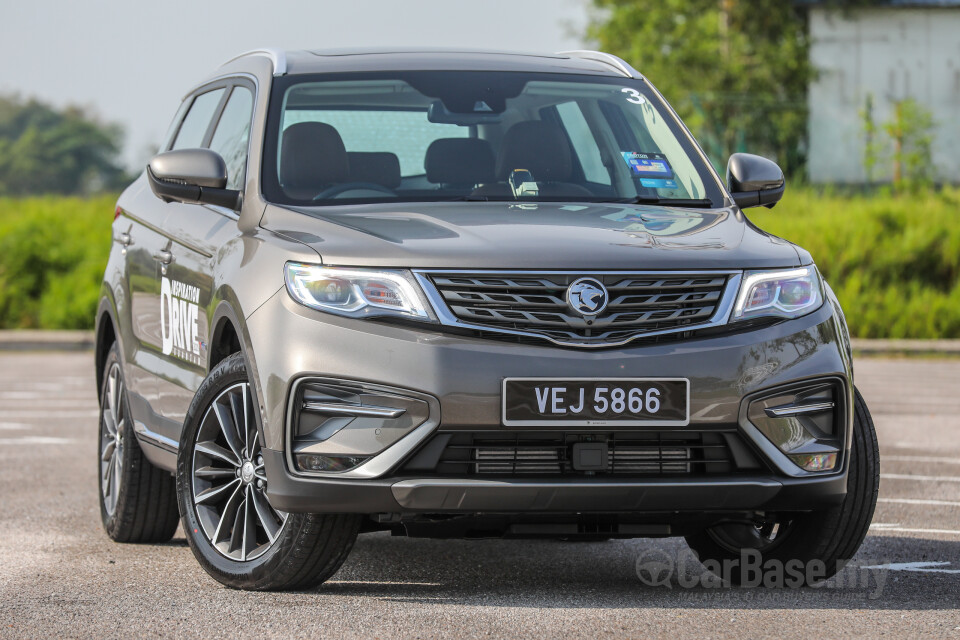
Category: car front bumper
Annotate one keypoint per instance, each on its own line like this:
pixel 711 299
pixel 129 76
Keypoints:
pixel 463 376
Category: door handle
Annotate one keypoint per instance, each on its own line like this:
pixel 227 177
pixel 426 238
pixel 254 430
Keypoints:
pixel 164 256
pixel 125 242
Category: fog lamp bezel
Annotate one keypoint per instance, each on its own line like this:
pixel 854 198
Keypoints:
pixel 373 466
pixel 780 460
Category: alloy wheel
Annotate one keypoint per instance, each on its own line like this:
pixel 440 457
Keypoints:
pixel 229 483
pixel 113 422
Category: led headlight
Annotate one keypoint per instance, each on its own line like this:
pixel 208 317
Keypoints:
pixel 783 294
pixel 356 293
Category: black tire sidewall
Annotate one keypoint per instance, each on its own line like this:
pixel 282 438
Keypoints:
pixel 249 574
pixel 131 451
pixel 833 535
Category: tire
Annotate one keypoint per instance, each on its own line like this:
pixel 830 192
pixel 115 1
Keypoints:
pixel 138 501
pixel 236 536
pixel 831 536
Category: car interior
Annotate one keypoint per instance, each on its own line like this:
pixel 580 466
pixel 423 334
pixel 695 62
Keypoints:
pixel 385 140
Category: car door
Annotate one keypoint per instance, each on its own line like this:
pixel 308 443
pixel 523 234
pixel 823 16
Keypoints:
pixel 164 306
pixel 137 231
pixel 197 233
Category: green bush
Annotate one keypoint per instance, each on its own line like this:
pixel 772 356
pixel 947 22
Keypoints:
pixel 53 251
pixel 894 262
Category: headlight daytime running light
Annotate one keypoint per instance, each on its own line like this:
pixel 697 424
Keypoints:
pixel 356 293
pixel 782 294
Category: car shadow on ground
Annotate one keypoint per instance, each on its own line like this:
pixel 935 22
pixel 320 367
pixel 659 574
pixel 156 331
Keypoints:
pixel 546 574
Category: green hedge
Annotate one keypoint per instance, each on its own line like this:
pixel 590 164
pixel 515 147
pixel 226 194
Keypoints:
pixel 893 261
pixel 53 251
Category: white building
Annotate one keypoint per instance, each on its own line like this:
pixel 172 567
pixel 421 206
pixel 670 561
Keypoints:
pixel 899 49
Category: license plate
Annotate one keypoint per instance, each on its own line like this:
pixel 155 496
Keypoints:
pixel 596 402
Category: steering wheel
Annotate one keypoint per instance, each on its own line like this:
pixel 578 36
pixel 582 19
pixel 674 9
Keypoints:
pixel 338 189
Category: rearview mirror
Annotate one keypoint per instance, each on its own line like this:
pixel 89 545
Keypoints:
pixel 192 176
pixel 754 181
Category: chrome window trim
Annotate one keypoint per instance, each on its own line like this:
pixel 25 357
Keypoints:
pixel 606 58
pixel 446 317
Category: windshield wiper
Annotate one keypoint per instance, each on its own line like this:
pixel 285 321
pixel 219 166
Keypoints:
pixel 468 198
pixel 702 203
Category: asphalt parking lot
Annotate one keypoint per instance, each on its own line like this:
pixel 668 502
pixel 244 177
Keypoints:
pixel 60 576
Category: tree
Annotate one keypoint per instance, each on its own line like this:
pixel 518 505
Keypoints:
pixel 735 71
pixel 911 130
pixel 49 150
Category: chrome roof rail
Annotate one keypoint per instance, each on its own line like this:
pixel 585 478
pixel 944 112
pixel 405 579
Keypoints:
pixel 277 56
pixel 608 59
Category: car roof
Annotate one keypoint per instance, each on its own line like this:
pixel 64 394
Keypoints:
pixel 428 59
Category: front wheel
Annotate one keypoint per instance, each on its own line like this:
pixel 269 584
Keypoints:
pixel 804 547
pixel 234 532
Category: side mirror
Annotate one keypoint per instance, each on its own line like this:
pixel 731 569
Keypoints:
pixel 192 176
pixel 754 181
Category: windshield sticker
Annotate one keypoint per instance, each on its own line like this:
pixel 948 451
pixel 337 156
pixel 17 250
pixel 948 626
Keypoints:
pixel 633 96
pixel 652 169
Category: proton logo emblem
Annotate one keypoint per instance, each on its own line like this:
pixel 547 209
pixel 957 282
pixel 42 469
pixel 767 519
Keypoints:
pixel 587 296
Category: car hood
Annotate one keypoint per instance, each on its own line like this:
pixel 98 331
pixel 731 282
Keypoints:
pixel 506 235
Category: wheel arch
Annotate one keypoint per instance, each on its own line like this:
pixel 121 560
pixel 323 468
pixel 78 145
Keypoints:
pixel 229 335
pixel 106 333
pixel 224 340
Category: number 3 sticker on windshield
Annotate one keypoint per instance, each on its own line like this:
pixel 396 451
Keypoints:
pixel 633 96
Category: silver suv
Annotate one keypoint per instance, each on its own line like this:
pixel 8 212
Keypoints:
pixel 465 294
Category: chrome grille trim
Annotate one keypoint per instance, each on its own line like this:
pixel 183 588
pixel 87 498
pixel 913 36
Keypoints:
pixel 546 313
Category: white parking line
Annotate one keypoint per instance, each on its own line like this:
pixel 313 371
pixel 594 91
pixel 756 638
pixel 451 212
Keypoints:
pixel 934 459
pixel 907 476
pixel 33 387
pixel 13 426
pixel 879 526
pixel 35 440
pixel 21 415
pixel 65 404
pixel 944 503
pixel 907 444
pixel 918 567
pixel 21 395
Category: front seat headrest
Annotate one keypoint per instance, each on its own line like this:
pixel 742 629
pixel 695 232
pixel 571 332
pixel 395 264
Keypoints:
pixel 378 167
pixel 466 161
pixel 537 146
pixel 312 156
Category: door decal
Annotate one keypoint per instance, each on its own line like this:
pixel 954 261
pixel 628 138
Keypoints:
pixel 178 320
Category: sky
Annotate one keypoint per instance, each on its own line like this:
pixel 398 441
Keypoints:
pixel 131 61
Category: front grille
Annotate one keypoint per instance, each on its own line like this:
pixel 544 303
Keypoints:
pixel 533 453
pixel 536 304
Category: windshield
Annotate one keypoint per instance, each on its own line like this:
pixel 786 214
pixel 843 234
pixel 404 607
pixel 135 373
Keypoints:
pixel 454 135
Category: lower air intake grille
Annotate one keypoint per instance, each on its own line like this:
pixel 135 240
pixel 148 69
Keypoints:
pixel 516 459
pixel 648 453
